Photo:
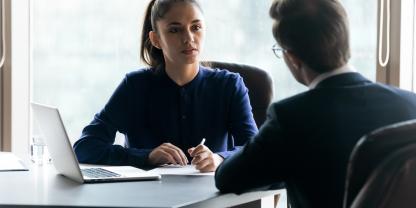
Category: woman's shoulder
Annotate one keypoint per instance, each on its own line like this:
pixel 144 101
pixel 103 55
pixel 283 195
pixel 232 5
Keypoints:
pixel 223 79
pixel 139 77
pixel 220 74
pixel 140 73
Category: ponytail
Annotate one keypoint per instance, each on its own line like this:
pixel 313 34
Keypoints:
pixel 149 54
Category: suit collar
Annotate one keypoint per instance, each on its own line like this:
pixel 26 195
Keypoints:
pixel 344 80
pixel 341 70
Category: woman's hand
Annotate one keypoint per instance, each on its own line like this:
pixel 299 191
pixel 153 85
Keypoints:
pixel 167 153
pixel 203 159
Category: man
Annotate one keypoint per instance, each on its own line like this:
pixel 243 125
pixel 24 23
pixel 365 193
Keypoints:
pixel 307 140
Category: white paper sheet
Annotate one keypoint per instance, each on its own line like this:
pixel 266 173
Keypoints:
pixel 9 162
pixel 178 170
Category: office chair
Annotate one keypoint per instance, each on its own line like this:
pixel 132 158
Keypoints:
pixel 258 83
pixel 382 168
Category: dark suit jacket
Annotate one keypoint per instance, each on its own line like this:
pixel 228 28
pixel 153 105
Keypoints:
pixel 307 139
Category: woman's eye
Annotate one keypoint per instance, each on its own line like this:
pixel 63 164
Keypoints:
pixel 173 30
pixel 196 27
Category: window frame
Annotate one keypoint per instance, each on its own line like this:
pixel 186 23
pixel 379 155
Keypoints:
pixel 16 80
pixel 5 99
pixel 401 45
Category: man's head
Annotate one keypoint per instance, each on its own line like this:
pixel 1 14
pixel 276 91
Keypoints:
pixel 315 32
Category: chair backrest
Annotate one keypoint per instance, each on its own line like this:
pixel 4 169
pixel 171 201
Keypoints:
pixel 258 83
pixel 392 184
pixel 371 151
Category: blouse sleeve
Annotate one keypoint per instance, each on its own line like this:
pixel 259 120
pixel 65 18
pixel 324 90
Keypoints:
pixel 96 144
pixel 241 122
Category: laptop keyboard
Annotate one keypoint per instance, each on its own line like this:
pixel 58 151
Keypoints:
pixel 98 173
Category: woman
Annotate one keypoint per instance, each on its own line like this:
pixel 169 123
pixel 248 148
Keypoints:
pixel 169 109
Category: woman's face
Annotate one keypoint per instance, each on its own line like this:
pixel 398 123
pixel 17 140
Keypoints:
pixel 180 34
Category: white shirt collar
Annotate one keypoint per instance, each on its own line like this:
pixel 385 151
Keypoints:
pixel 343 69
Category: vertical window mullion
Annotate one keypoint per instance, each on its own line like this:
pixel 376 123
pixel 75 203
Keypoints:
pixel 20 82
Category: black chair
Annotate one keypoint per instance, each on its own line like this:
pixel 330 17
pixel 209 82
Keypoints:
pixel 382 169
pixel 257 81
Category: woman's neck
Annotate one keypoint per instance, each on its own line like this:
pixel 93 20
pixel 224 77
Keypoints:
pixel 182 74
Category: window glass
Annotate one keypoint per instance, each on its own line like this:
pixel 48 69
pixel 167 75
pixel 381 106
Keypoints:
pixel 362 17
pixel 81 50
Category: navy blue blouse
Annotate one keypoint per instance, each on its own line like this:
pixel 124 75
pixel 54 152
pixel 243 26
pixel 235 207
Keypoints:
pixel 150 109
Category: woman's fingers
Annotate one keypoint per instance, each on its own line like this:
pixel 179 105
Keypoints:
pixel 190 150
pixel 198 150
pixel 158 156
pixel 200 157
pixel 167 153
pixel 208 163
pixel 167 158
pixel 178 152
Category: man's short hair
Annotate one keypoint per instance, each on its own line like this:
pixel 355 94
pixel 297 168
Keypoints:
pixel 316 31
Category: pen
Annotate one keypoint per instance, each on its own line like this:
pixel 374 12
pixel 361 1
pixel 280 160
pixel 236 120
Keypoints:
pixel 202 141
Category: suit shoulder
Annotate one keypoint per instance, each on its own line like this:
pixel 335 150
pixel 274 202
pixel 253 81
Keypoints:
pixel 293 100
pixel 398 90
pixel 407 98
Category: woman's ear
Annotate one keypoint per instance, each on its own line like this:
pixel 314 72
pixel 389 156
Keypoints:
pixel 154 39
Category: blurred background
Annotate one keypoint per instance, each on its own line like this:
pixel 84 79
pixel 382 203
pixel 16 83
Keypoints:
pixel 82 49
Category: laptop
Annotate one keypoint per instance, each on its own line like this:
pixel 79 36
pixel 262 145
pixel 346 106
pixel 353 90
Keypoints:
pixel 64 159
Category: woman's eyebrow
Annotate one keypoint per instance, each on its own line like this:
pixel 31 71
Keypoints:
pixel 179 24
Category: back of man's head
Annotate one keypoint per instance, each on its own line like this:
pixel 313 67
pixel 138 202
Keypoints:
pixel 316 31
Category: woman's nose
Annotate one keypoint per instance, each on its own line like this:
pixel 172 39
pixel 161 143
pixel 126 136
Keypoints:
pixel 188 37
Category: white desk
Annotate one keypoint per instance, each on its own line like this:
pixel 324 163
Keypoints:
pixel 41 186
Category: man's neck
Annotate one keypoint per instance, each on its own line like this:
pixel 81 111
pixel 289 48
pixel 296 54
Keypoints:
pixel 320 77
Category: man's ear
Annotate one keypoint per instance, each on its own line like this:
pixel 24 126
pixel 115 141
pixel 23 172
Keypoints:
pixel 295 62
pixel 302 73
pixel 154 39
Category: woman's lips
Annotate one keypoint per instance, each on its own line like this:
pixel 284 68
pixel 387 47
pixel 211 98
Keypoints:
pixel 190 51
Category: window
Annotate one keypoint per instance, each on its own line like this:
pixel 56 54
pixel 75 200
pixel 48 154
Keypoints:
pixel 398 38
pixel 81 50
pixel 362 17
pixel 16 78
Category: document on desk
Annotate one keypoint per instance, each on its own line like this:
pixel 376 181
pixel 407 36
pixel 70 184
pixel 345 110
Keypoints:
pixel 178 170
pixel 9 162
